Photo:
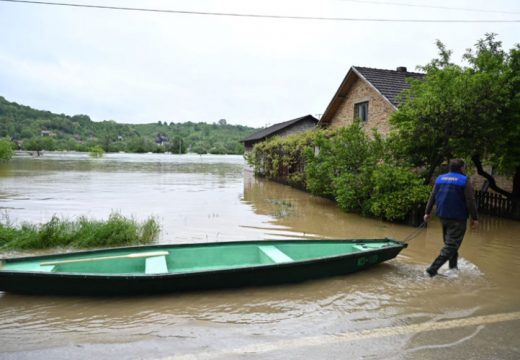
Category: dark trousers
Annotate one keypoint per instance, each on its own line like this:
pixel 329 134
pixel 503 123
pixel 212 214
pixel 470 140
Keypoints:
pixel 453 233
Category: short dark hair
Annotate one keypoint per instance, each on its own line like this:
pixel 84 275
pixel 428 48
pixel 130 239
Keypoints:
pixel 456 165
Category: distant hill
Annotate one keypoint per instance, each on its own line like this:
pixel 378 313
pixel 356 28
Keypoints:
pixel 33 129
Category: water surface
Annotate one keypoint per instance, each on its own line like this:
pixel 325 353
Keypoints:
pixel 211 198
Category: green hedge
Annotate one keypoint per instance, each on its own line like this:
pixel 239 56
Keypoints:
pixel 358 171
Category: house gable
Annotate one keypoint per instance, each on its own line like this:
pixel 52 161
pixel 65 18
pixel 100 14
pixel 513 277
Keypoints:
pixel 379 109
pixel 376 88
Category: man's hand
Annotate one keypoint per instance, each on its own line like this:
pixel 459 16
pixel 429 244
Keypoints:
pixel 474 224
pixel 426 218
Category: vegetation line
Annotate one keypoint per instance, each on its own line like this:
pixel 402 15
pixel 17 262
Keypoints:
pixel 37 130
pixel 81 233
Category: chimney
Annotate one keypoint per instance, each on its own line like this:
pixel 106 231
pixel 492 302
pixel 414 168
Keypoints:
pixel 401 69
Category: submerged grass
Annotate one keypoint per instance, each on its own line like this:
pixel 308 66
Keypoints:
pixel 82 233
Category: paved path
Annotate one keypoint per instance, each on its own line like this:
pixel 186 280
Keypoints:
pixel 327 340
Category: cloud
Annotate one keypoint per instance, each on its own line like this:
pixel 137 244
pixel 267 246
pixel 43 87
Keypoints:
pixel 146 67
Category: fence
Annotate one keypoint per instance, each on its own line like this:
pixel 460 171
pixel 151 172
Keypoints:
pixel 497 205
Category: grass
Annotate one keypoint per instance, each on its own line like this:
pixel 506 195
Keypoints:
pixel 82 233
pixel 96 151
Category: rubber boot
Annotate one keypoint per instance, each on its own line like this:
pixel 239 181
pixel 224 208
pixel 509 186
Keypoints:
pixel 437 263
pixel 453 261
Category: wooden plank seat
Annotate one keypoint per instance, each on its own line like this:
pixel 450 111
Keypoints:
pixel 366 247
pixel 156 265
pixel 275 254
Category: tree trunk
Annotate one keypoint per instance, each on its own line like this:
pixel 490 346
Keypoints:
pixel 516 194
pixel 435 162
pixel 491 180
pixel 516 184
pixel 428 179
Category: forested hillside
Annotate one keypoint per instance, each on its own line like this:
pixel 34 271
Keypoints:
pixel 32 129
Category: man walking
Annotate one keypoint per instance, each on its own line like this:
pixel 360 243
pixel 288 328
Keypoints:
pixel 455 200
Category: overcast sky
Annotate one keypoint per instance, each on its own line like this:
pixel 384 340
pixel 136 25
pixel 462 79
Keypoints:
pixel 141 67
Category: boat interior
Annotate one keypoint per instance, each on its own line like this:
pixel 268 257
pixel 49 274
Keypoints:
pixel 205 257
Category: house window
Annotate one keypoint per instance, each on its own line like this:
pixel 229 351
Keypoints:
pixel 361 111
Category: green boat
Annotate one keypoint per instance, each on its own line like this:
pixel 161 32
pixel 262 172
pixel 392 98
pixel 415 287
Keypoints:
pixel 187 267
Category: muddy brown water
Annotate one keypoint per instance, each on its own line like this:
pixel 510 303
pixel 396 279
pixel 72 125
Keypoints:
pixel 392 311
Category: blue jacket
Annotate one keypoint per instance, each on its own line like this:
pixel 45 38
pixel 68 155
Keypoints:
pixel 451 193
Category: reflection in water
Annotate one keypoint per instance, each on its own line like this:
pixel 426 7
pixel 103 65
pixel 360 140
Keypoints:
pixel 212 199
pixel 308 215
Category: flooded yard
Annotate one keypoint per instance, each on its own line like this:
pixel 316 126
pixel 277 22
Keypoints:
pixel 391 311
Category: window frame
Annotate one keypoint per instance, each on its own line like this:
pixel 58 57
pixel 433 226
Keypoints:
pixel 359 106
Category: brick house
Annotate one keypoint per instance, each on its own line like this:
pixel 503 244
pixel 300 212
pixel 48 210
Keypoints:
pixel 372 95
pixel 286 128
pixel 368 94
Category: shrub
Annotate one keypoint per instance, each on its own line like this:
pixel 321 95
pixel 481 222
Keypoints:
pixel 395 192
pixel 6 150
pixel 344 151
pixel 361 173
pixel 82 233
pixel 282 159
pixel 353 191
pixel 96 151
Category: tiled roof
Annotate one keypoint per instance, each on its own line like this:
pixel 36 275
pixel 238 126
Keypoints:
pixel 390 83
pixel 272 130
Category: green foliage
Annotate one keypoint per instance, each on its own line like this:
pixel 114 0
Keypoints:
pixel 352 190
pixel 96 151
pixel 468 112
pixel 82 233
pixel 139 144
pixel 319 170
pixel 282 158
pixel 37 130
pixel 40 144
pixel 344 151
pixel 395 191
pixel 6 150
pixel 358 171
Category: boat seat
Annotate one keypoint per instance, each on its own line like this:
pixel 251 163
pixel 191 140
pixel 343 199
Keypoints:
pixel 275 254
pixel 156 265
pixel 49 268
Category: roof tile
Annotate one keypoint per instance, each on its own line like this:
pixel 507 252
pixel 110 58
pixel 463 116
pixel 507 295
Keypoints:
pixel 390 83
pixel 271 130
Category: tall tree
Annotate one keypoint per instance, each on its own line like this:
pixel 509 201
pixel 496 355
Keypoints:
pixel 465 111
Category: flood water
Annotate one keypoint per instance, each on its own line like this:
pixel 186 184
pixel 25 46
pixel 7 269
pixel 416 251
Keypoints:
pixel 392 311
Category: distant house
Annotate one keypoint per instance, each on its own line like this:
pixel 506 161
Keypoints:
pixel 161 140
pixel 47 133
pixel 368 94
pixel 286 128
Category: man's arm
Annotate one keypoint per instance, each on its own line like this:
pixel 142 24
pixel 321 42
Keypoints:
pixel 471 204
pixel 429 205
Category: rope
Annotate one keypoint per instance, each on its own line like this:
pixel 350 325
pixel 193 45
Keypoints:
pixel 415 233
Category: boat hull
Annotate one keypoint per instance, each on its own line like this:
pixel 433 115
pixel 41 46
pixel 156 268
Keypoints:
pixel 34 282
